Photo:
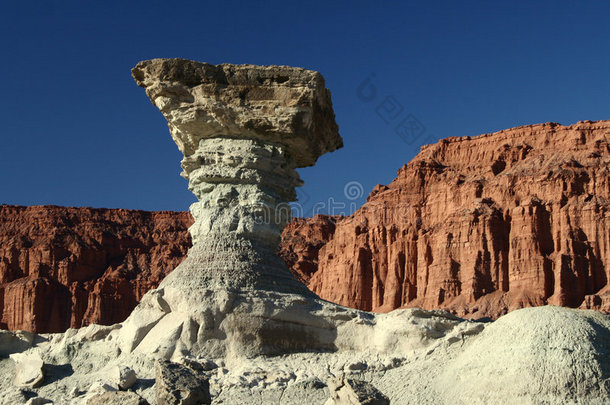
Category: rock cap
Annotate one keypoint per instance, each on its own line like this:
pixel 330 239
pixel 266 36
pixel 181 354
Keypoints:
pixel 279 104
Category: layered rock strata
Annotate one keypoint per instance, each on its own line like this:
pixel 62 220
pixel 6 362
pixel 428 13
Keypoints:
pixel 243 131
pixel 478 226
pixel 69 267
pixel 301 242
pixel 97 264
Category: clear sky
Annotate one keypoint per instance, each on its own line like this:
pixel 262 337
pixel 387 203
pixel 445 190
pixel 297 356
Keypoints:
pixel 77 131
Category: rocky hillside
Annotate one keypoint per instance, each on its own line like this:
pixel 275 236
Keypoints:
pixel 476 225
pixel 69 267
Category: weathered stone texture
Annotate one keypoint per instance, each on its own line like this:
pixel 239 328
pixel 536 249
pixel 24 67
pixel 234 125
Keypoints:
pixel 480 226
pixel 69 267
pixel 451 231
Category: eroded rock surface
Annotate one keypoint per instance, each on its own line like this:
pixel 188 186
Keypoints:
pixel 475 225
pixel 179 385
pixel 243 131
pixel 563 348
pixel 29 372
pixel 117 398
pixel 66 267
pixel 301 242
pixel 350 391
pixel 123 377
pixel 479 226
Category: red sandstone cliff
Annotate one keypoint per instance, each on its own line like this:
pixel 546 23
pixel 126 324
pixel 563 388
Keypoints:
pixel 480 226
pixel 68 267
pixel 302 239
pixel 476 225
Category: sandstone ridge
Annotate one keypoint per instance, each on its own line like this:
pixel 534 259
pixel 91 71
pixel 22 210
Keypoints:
pixel 477 225
pixel 66 267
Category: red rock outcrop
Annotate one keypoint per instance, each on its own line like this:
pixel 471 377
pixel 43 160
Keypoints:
pixel 69 267
pixel 301 241
pixel 479 226
pixel 475 225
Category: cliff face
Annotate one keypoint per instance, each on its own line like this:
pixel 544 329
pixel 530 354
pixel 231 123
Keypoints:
pixel 69 267
pixel 476 225
pixel 301 242
pixel 481 226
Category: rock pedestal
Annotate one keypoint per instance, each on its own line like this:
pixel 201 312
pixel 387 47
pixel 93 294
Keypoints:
pixel 243 130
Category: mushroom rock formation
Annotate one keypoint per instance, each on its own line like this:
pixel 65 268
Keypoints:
pixel 243 130
pixel 231 306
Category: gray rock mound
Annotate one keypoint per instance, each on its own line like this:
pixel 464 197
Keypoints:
pixel 544 355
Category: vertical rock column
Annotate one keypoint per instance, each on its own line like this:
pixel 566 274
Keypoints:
pixel 243 186
pixel 243 130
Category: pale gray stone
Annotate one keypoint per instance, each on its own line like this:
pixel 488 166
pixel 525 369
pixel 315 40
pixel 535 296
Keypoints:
pixel 243 131
pixel 29 371
pixel 123 377
pixel 116 398
pixel 99 387
pixel 276 104
pixel 12 395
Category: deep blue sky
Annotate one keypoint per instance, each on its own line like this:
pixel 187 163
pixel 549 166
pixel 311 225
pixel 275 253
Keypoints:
pixel 77 131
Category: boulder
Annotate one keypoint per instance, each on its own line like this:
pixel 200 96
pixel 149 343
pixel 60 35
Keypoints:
pixel 176 384
pixel 29 369
pixel 350 391
pixel 123 377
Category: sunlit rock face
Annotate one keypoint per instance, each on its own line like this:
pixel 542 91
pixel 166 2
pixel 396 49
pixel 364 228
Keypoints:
pixel 243 130
pixel 65 267
pixel 478 226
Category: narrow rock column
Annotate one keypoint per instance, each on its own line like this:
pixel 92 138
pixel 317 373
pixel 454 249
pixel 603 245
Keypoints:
pixel 243 130
pixel 243 187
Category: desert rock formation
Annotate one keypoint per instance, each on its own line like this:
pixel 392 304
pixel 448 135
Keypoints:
pixel 301 242
pixel 243 131
pixel 69 267
pixel 478 226
pixel 496 240
pixel 237 327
